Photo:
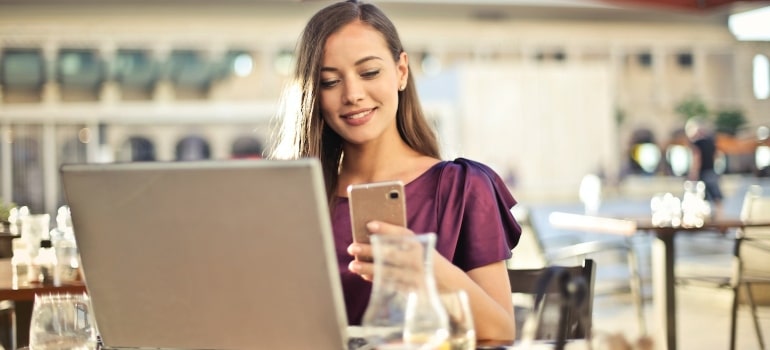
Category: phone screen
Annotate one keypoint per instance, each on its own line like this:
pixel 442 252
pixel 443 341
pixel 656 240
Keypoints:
pixel 382 201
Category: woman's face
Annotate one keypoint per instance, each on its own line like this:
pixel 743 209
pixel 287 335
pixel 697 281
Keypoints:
pixel 359 84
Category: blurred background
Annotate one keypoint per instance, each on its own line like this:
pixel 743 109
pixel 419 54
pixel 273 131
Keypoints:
pixel 546 92
pixel 570 101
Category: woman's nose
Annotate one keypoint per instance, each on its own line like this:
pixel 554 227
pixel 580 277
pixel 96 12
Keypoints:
pixel 353 92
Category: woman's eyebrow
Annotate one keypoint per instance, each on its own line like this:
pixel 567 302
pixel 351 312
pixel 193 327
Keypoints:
pixel 360 61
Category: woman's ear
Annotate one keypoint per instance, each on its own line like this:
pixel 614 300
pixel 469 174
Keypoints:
pixel 403 70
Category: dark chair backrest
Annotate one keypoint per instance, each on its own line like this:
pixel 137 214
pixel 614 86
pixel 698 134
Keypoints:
pixel 565 289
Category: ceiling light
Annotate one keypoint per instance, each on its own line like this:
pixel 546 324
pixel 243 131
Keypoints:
pixel 751 25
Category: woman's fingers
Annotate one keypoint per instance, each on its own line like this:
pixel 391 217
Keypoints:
pixel 406 257
pixel 386 228
pixel 362 268
pixel 362 251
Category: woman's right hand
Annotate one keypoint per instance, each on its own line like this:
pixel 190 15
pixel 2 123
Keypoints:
pixel 362 264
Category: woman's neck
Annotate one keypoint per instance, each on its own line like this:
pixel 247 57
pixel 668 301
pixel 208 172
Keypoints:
pixel 374 163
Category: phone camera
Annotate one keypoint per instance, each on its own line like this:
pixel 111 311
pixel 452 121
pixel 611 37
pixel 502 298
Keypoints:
pixel 393 194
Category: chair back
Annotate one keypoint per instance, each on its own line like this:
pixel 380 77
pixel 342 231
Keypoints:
pixel 562 312
pixel 753 248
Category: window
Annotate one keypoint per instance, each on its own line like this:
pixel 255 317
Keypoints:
pixel 27 168
pixel 22 69
pixel 644 59
pixel 79 69
pixel 247 147
pixel 190 72
pixel 684 60
pixel 137 149
pixel 135 69
pixel 761 77
pixel 236 62
pixel 192 148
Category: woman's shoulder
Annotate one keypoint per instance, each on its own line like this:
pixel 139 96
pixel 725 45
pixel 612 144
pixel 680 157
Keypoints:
pixel 465 175
pixel 467 169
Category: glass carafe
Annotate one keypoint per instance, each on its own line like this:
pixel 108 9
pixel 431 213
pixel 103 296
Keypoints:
pixel 62 321
pixel 405 311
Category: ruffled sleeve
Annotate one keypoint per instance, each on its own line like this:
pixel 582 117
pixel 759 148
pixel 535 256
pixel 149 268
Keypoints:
pixel 474 215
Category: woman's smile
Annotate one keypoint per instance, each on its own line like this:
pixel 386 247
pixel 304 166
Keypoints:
pixel 359 117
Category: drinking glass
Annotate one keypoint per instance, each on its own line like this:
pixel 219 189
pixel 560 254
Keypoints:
pixel 34 228
pixel 62 321
pixel 462 334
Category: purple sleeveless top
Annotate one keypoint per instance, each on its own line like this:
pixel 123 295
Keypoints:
pixel 464 202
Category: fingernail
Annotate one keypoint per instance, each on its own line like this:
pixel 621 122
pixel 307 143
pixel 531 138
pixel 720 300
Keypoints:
pixel 373 226
pixel 354 266
pixel 354 249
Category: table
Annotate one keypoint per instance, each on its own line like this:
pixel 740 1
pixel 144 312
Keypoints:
pixel 24 295
pixel 12 291
pixel 662 256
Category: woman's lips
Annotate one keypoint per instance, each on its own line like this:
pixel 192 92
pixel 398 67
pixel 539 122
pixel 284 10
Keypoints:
pixel 359 118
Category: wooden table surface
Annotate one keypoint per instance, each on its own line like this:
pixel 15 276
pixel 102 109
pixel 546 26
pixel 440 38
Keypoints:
pixel 11 290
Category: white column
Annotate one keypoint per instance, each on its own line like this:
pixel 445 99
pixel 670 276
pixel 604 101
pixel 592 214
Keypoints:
pixel 219 139
pixel 270 54
pixel 616 72
pixel 616 65
pixel 659 76
pixel 93 148
pixel 164 90
pixel 51 92
pixel 50 168
pixel 574 55
pixel 6 182
pixel 1 87
pixel 213 55
pixel 527 55
pixel 699 68
pixel 6 170
pixel 267 60
pixel 110 93
pixel 742 74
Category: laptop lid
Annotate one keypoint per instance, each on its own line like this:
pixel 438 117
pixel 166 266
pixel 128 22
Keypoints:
pixel 234 254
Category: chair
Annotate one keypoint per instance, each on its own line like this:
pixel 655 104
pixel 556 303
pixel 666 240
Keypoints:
pixel 751 254
pixel 557 299
pixel 7 324
pixel 560 249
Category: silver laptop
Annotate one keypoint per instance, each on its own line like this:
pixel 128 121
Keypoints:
pixel 208 255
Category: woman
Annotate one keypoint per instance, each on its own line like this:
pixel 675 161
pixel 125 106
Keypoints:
pixel 354 105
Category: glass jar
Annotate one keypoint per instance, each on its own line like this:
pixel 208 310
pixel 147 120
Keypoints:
pixel 404 309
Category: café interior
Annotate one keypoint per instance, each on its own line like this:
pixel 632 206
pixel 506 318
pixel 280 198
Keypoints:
pixel 579 105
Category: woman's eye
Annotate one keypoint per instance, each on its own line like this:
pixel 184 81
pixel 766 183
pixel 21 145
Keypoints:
pixel 329 83
pixel 370 73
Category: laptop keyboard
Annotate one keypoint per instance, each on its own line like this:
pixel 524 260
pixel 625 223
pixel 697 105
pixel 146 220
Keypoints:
pixel 357 343
pixel 354 343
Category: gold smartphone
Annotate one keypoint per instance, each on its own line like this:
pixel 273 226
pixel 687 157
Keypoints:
pixel 382 201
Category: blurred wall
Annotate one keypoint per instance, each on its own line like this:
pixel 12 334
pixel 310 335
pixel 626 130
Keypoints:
pixel 534 92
